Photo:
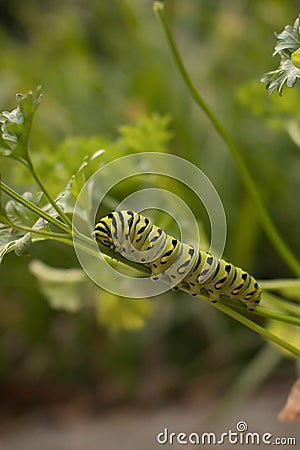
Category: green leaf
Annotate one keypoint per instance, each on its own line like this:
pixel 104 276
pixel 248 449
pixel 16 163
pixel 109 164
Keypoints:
pixel 66 202
pixel 150 134
pixel 41 224
pixel 23 245
pixel 66 160
pixel 87 168
pixel 7 241
pixel 16 127
pixel 61 287
pixel 11 239
pixel 122 314
pixel 19 214
pixel 15 214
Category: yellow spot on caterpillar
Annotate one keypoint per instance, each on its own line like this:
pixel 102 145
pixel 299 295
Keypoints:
pixel 237 290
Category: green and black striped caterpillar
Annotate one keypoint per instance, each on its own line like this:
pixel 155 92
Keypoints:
pixel 135 237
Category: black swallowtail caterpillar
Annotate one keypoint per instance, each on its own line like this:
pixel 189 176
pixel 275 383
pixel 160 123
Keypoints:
pixel 136 237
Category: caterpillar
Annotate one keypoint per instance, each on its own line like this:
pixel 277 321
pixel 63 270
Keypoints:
pixel 135 237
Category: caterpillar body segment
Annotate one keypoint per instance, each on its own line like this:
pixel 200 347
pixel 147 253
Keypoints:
pixel 137 238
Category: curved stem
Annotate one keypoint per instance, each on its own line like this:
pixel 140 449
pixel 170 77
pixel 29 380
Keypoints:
pixel 263 312
pixel 263 214
pixel 277 316
pixel 47 195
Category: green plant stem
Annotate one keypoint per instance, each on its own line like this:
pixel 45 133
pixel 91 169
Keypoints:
pixel 78 236
pixel 46 234
pixel 87 249
pixel 277 316
pixel 263 312
pixel 257 328
pixel 263 214
pixel 279 283
pixel 48 196
pixel 281 304
pixel 33 208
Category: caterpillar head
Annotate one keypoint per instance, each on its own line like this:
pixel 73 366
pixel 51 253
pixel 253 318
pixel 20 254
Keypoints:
pixel 131 235
pixel 113 231
pixel 103 231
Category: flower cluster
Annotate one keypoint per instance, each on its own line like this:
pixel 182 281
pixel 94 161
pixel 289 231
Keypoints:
pixel 288 48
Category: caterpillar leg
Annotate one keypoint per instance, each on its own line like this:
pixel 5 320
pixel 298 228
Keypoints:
pixel 182 285
pixel 213 300
pixel 252 299
pixel 212 296
pixel 252 304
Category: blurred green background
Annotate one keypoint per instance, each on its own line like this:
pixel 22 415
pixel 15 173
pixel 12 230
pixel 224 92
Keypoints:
pixel 104 65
